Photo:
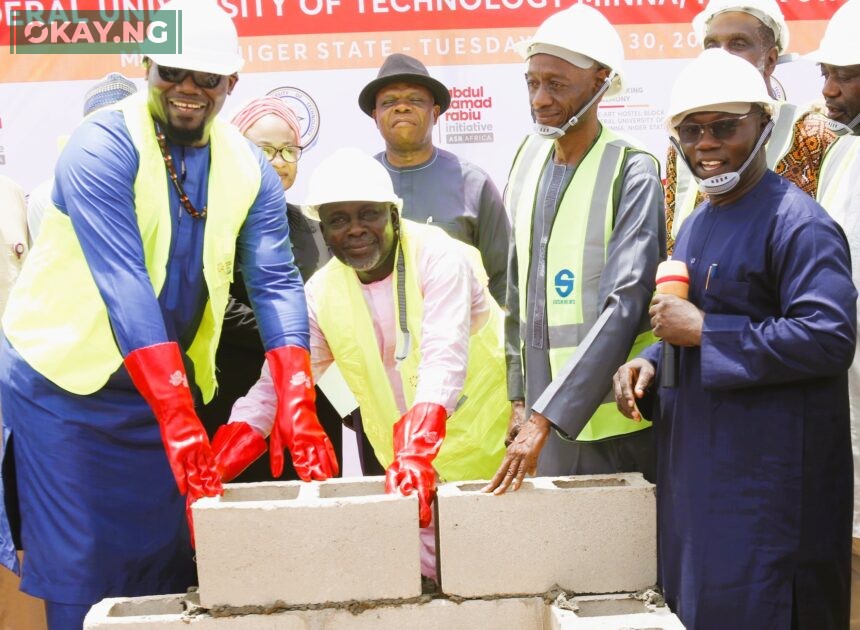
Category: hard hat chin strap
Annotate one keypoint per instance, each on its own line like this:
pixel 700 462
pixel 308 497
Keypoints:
pixel 841 129
pixel 555 133
pixel 721 184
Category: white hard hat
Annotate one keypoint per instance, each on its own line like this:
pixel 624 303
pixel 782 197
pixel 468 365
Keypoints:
pixel 348 174
pixel 209 41
pixel 704 86
pixel 767 12
pixel 580 35
pixel 840 45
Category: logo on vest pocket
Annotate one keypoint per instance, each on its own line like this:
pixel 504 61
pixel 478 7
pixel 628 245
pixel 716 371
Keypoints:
pixel 564 283
pixel 225 268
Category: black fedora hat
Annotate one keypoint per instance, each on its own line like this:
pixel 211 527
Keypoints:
pixel 398 68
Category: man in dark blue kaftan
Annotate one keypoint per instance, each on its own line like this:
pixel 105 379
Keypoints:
pixel 754 479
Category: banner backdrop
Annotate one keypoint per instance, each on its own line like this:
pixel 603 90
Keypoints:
pixel 318 54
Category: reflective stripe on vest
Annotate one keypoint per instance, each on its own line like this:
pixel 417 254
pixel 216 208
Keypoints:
pixel 576 256
pixel 474 444
pixel 838 178
pixel 56 318
pixel 779 144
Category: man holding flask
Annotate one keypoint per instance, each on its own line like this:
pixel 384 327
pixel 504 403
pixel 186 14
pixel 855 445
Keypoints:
pixel 672 279
pixel 754 469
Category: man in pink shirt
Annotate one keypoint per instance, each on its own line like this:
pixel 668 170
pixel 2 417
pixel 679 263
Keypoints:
pixel 405 311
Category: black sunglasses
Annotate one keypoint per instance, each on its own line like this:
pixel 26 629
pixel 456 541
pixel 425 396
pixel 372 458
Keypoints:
pixel 205 80
pixel 721 129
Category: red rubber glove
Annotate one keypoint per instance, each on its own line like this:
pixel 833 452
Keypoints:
pixel 296 424
pixel 236 446
pixel 418 437
pixel 159 375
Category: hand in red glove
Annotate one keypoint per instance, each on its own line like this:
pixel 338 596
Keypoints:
pixel 159 375
pixel 236 446
pixel 418 437
pixel 296 424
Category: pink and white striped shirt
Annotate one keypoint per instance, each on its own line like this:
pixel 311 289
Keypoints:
pixel 456 305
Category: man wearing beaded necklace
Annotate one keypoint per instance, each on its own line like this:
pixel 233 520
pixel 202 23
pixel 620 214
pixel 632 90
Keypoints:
pixel 112 330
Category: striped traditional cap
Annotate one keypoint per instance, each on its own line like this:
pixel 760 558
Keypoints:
pixel 259 107
pixel 114 87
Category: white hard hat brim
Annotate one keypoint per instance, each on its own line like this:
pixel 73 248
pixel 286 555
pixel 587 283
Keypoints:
pixel 312 210
pixel 832 57
pixel 528 49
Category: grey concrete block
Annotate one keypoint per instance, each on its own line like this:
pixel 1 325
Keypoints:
pixel 612 612
pixel 164 612
pixel 306 543
pixel 586 534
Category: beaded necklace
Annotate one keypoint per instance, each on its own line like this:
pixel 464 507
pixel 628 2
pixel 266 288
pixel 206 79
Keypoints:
pixel 171 171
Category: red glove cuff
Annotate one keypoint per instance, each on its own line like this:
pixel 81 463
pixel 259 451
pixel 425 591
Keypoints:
pixel 296 424
pixel 420 431
pixel 236 446
pixel 159 375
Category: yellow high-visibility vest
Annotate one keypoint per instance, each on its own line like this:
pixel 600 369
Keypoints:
pixel 474 444
pixel 56 318
pixel 837 183
pixel 576 255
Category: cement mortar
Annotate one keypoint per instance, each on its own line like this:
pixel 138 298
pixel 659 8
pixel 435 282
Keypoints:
pixel 355 607
pixel 555 596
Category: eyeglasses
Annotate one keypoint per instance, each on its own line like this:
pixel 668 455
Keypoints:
pixel 722 129
pixel 205 80
pixel 289 153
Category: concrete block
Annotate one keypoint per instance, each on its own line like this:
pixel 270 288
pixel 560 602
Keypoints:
pixel 165 612
pixel 523 613
pixel 612 612
pixel 586 534
pixel 306 543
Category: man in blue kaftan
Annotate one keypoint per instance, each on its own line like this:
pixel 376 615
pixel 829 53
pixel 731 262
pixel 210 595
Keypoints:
pixel 754 478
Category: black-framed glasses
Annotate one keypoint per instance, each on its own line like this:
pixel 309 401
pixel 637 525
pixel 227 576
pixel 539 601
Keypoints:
pixel 289 153
pixel 205 80
pixel 721 129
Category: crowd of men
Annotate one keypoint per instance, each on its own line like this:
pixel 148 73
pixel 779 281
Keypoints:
pixel 483 336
